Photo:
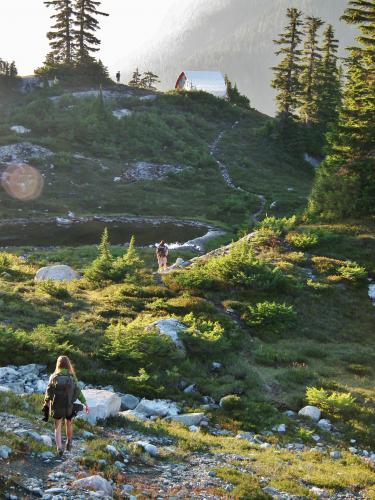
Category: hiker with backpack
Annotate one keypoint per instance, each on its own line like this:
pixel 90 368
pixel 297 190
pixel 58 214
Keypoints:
pixel 59 402
pixel 162 255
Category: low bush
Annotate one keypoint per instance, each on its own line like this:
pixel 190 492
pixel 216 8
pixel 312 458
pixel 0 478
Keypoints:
pixel 6 261
pixel 58 290
pixel 265 237
pixel 247 487
pixel 360 370
pixel 270 317
pixel 302 240
pixel 231 403
pixel 352 271
pixel 332 403
pixel 277 226
pixel 238 269
pixel 204 337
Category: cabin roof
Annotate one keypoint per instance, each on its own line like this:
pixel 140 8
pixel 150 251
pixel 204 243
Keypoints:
pixel 210 81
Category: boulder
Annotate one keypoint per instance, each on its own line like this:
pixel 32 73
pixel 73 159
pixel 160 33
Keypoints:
pixel 129 402
pixel 19 129
pixel 94 483
pixel 102 404
pixel 56 273
pixel 171 328
pixel 157 407
pixel 189 419
pixel 311 412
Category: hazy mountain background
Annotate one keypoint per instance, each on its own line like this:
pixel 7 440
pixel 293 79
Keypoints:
pixel 234 36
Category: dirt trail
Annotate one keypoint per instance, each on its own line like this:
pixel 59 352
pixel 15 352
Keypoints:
pixel 228 179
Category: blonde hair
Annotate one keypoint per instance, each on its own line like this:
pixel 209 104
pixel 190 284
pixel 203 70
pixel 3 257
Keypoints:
pixel 63 362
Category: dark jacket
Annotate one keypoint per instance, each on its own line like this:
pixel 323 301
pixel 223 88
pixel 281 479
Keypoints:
pixel 62 391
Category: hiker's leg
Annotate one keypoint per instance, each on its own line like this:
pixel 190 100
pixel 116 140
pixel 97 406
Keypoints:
pixel 58 433
pixel 69 429
pixel 165 263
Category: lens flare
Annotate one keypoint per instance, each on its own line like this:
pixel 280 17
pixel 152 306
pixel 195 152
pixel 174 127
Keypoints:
pixel 22 182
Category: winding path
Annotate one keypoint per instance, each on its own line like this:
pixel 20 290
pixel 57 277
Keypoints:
pixel 228 179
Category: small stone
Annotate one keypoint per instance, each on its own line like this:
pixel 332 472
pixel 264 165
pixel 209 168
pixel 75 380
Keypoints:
pixel 216 366
pixel 191 389
pixel 316 437
pixel 353 450
pixel 193 428
pixel 281 428
pixel 265 445
pixel 325 424
pixel 119 465
pixel 353 441
pixel 335 455
pixel 127 488
pixel 148 448
pixel 94 483
pixel 290 413
pixel 87 435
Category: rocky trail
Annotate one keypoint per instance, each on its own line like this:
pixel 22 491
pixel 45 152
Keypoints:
pixel 228 179
pixel 132 458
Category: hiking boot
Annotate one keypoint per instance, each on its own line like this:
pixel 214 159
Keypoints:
pixel 68 446
pixel 60 452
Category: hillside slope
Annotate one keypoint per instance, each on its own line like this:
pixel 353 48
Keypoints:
pixel 233 36
pixel 154 161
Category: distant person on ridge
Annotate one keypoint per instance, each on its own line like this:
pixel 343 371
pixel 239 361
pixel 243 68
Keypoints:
pixel 62 391
pixel 162 255
pixel 118 77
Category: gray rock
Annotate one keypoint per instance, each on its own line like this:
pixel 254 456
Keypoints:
pixel 353 450
pixel 112 450
pixel 216 366
pixel 170 327
pixel 371 291
pixel 325 424
pixel 127 488
pixel 310 412
pixel 22 152
pixel 290 413
pixel 193 428
pixel 102 404
pixel 56 273
pixel 315 437
pixel 129 402
pixel 157 407
pixel 191 389
pixel 5 451
pixel 148 448
pixel 335 455
pixel 119 465
pixel 189 419
pixel 87 435
pixel 281 428
pixel 19 129
pixel 120 113
pixel 94 483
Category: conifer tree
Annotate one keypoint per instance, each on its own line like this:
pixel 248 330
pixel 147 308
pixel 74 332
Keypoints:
pixel 149 79
pixel 61 35
pixel 329 81
pixel 286 80
pixel 101 269
pixel 136 79
pixel 86 24
pixel 310 71
pixel 345 184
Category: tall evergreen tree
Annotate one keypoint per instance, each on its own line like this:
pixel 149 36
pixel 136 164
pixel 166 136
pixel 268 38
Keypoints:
pixel 310 71
pixel 329 81
pixel 136 78
pixel 86 24
pixel 61 35
pixel 286 80
pixel 345 184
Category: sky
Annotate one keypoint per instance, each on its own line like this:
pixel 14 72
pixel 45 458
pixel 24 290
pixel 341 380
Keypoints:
pixel 24 24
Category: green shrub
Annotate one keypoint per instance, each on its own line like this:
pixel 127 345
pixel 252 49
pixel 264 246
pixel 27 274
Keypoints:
pixel 55 289
pixel 277 226
pixel 6 261
pixel 240 268
pixel 247 487
pixel 325 265
pixel 264 237
pixel 352 271
pixel 302 240
pixel 357 369
pixel 203 337
pixel 231 403
pixel 270 316
pixel 333 403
